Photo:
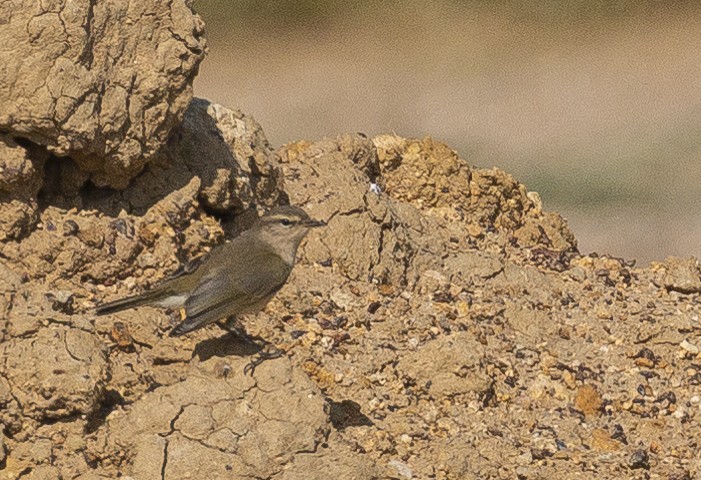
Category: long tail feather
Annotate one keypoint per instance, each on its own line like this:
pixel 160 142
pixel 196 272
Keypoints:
pixel 182 329
pixel 145 298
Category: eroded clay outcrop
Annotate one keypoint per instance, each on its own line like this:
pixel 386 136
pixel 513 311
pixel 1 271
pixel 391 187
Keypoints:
pixel 220 423
pixel 229 153
pixel 21 173
pixel 429 332
pixel 100 82
pixel 56 373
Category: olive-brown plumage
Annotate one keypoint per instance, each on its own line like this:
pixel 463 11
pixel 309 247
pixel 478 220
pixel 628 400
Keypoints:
pixel 235 278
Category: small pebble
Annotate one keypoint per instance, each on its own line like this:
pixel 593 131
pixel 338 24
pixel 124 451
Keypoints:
pixel 639 459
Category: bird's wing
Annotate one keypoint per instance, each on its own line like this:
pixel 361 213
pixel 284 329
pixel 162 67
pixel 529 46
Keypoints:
pixel 222 292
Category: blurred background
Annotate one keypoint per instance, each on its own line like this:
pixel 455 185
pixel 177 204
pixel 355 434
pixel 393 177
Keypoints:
pixel 596 104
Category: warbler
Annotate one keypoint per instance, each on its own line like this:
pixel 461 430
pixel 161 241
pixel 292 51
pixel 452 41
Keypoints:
pixel 237 277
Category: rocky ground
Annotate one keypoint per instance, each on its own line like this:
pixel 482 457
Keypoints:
pixel 441 326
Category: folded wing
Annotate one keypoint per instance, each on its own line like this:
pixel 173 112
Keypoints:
pixel 225 290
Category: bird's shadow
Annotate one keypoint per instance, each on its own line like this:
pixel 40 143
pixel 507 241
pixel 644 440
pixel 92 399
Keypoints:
pixel 226 346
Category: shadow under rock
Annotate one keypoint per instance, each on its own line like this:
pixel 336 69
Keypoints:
pixel 196 148
pixel 65 186
pixel 346 413
pixel 226 346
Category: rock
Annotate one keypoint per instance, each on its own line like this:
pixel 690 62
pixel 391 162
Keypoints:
pixel 402 469
pixel 447 367
pixel 21 171
pixel 602 441
pixel 690 347
pixel 61 300
pixel 102 83
pixel 21 168
pixel 369 236
pixel 639 459
pixel 424 172
pixel 588 400
pixel 681 275
pixel 58 373
pixel 229 153
pixel 231 427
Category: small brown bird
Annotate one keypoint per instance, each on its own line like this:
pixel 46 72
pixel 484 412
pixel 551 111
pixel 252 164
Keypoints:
pixel 235 278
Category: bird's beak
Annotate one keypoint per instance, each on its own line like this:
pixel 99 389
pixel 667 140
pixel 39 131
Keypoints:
pixel 311 223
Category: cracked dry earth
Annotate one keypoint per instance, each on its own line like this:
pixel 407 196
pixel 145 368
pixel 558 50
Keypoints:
pixel 441 326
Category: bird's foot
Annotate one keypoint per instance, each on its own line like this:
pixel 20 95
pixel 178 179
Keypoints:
pixel 266 351
pixel 270 353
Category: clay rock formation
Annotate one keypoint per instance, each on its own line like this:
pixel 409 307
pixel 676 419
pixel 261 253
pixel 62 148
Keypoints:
pixel 21 174
pixel 220 425
pixel 101 82
pixel 443 325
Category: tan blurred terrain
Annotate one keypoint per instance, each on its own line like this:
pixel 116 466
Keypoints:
pixel 595 105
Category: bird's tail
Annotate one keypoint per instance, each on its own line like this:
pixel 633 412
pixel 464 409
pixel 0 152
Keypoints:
pixel 182 329
pixel 151 297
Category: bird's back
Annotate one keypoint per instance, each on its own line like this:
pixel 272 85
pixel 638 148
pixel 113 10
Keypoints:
pixel 238 277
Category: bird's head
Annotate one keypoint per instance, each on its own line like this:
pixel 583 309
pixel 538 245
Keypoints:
pixel 284 227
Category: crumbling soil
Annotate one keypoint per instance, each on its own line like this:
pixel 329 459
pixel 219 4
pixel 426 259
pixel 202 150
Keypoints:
pixel 443 325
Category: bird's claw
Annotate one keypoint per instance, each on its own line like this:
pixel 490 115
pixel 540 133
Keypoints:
pixel 266 351
pixel 261 357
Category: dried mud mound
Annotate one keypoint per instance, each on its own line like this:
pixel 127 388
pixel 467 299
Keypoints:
pixel 99 81
pixel 443 325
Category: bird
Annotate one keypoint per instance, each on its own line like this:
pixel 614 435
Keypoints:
pixel 236 278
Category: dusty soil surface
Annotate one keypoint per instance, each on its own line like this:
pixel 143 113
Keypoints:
pixel 441 326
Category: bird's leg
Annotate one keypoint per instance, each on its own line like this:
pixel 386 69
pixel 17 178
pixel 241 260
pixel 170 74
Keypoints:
pixel 231 326
pixel 267 351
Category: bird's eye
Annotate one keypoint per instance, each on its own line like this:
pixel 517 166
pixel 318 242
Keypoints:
pixel 285 222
